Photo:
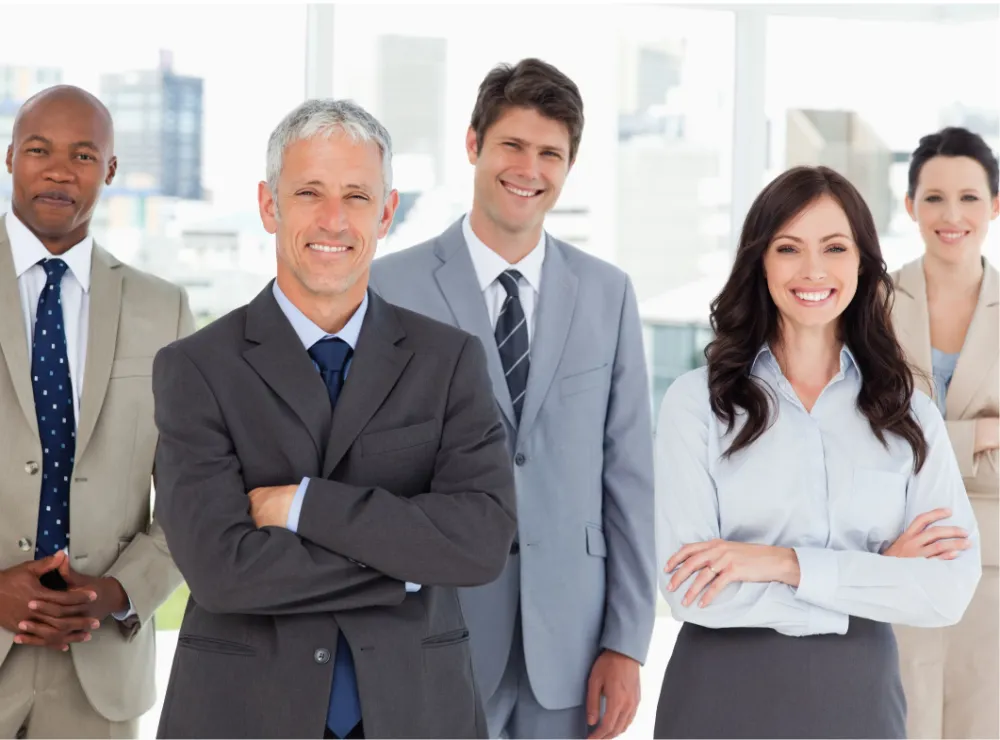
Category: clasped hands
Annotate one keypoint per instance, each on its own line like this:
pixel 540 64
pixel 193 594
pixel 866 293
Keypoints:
pixel 721 562
pixel 43 617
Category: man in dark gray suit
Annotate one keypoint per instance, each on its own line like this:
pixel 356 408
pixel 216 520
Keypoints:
pixel 330 469
pixel 567 625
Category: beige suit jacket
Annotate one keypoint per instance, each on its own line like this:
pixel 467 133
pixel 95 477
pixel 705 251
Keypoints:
pixel 132 315
pixel 974 390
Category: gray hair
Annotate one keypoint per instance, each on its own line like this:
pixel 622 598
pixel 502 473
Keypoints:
pixel 322 117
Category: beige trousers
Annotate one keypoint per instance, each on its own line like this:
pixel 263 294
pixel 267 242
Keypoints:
pixel 950 675
pixel 41 697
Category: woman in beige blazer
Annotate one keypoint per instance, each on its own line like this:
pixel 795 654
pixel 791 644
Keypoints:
pixel 947 319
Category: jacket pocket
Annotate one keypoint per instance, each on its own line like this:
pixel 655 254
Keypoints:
pixel 214 645
pixel 596 544
pixel 446 638
pixel 132 367
pixel 390 440
pixel 579 382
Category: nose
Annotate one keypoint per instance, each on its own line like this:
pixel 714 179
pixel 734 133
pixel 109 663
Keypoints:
pixel 814 265
pixel 333 216
pixel 952 213
pixel 58 170
pixel 529 165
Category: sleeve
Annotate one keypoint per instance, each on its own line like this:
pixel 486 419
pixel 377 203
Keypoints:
pixel 687 511
pixel 962 434
pixel 919 592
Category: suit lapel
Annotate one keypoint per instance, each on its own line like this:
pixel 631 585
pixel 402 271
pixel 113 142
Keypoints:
pixel 456 278
pixel 13 342
pixel 912 323
pixel 278 357
pixel 554 314
pixel 375 368
pixel 102 335
pixel 980 350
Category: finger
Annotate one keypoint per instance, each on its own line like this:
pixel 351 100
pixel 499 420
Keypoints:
pixel 950 555
pixel 35 641
pixel 629 719
pixel 71 597
pixel 685 552
pixel 932 534
pixel 72 624
pixel 926 519
pixel 594 687
pixel 704 578
pixel 692 565
pixel 49 634
pixel 608 721
pixel 720 582
pixel 44 608
pixel 44 565
pixel 942 546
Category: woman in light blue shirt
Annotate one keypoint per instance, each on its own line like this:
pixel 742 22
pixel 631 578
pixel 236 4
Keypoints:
pixel 807 497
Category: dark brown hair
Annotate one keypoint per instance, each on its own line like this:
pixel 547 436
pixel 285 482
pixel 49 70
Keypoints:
pixel 953 142
pixel 744 317
pixel 531 83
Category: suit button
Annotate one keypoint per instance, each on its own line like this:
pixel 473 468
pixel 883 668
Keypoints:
pixel 519 459
pixel 322 656
pixel 31 468
pixel 24 544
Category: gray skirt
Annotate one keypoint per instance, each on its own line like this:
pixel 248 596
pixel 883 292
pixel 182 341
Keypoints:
pixel 756 683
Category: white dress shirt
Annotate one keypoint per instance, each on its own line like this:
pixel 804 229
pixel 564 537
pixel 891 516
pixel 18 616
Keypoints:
pixel 27 251
pixel 819 482
pixel 489 266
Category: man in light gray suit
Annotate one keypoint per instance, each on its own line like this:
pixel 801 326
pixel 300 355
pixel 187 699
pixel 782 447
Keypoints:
pixel 569 621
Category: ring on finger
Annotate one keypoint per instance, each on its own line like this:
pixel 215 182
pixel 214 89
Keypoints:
pixel 712 568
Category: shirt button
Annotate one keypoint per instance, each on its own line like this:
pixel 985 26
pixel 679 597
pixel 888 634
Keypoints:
pixel 31 467
pixel 519 459
pixel 24 544
pixel 322 656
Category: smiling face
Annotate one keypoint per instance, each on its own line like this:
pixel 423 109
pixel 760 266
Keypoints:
pixel 60 159
pixel 521 167
pixel 953 207
pixel 331 211
pixel 811 266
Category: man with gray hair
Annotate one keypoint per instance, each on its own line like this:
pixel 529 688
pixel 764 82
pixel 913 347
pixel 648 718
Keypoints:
pixel 330 469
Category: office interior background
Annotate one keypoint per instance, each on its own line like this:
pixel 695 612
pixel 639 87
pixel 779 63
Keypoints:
pixel 690 110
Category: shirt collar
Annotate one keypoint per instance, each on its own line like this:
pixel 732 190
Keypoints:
pixel 309 333
pixel 847 361
pixel 489 265
pixel 28 250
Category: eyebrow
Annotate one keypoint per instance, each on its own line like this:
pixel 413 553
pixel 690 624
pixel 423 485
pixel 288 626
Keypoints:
pixel 78 144
pixel 827 238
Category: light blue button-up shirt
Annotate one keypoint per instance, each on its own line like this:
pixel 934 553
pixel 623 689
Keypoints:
pixel 819 482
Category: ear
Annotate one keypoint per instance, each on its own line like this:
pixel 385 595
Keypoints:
pixel 10 159
pixel 112 169
pixel 472 145
pixel 268 206
pixel 388 211
pixel 996 207
pixel 908 201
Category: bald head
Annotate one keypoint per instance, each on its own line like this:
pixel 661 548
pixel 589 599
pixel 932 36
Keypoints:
pixel 62 100
pixel 61 156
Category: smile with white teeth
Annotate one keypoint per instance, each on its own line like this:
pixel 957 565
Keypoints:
pixel 813 297
pixel 327 248
pixel 520 191
pixel 950 237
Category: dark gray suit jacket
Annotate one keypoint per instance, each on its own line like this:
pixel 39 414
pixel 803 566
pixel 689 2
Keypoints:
pixel 411 482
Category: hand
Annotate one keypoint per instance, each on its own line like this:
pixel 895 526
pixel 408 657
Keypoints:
pixel 987 434
pixel 920 540
pixel 51 621
pixel 21 594
pixel 616 676
pixel 269 506
pixel 722 562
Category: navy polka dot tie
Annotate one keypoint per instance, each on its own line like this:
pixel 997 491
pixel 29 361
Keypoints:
pixel 53 390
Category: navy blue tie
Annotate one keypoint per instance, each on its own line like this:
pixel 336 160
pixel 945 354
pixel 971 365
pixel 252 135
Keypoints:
pixel 53 389
pixel 331 355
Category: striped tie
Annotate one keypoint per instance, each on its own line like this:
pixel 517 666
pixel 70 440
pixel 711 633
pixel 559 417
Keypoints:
pixel 512 341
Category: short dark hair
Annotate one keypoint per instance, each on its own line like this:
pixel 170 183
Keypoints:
pixel 531 83
pixel 953 142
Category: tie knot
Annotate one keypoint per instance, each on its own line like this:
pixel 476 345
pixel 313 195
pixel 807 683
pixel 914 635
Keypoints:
pixel 330 354
pixel 54 270
pixel 508 279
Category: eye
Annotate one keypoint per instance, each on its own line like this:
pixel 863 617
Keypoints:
pixel 970 198
pixel 306 192
pixel 933 199
pixel 35 150
pixel 837 248
pixel 358 196
pixel 511 144
pixel 784 249
pixel 552 155
pixel 89 157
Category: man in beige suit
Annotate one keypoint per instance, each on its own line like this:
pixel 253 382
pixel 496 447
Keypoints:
pixel 82 565
pixel 946 314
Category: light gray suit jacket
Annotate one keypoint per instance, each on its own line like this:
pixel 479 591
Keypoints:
pixel 583 464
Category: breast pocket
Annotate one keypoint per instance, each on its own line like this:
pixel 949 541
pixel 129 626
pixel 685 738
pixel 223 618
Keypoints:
pixel 575 383
pixel 403 438
pixel 878 506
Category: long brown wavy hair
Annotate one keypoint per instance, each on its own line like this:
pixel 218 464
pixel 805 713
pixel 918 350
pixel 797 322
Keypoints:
pixel 744 317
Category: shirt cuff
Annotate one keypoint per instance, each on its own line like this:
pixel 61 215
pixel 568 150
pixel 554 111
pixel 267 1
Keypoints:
pixel 818 575
pixel 296 509
pixel 122 616
pixel 412 588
